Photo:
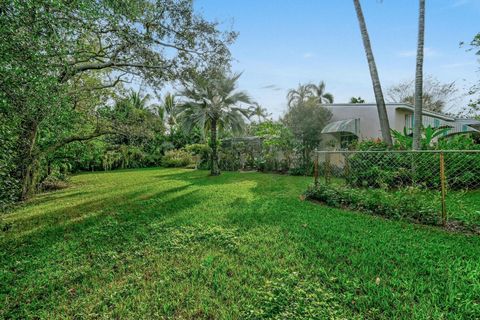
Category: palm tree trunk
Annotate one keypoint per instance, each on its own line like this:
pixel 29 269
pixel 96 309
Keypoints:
pixel 377 88
pixel 214 170
pixel 417 126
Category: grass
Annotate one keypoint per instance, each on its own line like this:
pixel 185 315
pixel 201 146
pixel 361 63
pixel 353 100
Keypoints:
pixel 173 243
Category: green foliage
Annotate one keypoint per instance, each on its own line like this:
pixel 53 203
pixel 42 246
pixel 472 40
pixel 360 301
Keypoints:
pixel 54 182
pixel 404 140
pixel 356 100
pixel 278 146
pixel 407 203
pixel 306 119
pixel 9 186
pixel 391 170
pixel 177 158
pixel 63 62
pixel 214 104
pixel 201 153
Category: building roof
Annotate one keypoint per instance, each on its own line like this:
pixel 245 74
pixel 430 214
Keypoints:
pixel 404 106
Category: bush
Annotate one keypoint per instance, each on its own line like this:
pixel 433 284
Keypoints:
pixel 407 203
pixel 177 158
pixel 394 170
pixel 300 171
pixel 201 152
pixel 54 182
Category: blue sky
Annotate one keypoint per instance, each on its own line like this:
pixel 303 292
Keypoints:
pixel 286 42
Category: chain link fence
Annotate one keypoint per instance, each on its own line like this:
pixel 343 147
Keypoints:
pixel 452 176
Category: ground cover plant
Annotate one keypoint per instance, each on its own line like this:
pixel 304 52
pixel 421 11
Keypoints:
pixel 415 204
pixel 177 243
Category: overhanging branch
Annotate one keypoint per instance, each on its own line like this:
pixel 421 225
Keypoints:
pixel 63 142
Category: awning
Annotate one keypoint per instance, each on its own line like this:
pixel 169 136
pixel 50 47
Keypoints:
pixel 349 125
pixel 457 128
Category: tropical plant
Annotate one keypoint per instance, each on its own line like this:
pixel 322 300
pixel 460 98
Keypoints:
pixel 170 108
pixel 405 140
pixel 177 158
pixel 299 95
pixel 214 104
pixel 418 112
pixel 258 111
pixel 318 92
pixel 377 88
pixel 51 50
pixel 306 121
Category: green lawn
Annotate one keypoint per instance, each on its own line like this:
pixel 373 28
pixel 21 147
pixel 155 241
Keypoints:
pixel 174 243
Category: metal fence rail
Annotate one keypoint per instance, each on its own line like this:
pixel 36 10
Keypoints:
pixel 444 171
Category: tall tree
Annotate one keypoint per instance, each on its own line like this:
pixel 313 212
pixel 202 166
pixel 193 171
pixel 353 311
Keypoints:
pixel 48 47
pixel 170 107
pixel 214 104
pixel 258 111
pixel 436 96
pixel 377 88
pixel 299 95
pixel 318 92
pixel 417 125
pixel 306 120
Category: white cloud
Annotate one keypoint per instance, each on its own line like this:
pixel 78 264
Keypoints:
pixel 428 52
pixel 308 55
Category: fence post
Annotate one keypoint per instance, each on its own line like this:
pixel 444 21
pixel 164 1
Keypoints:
pixel 444 191
pixel 327 167
pixel 347 167
pixel 315 169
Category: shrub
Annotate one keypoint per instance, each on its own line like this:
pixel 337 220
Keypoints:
pixel 201 153
pixel 394 170
pixel 407 203
pixel 54 182
pixel 177 158
pixel 301 171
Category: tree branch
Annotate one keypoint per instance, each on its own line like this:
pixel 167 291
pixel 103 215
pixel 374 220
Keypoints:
pixel 63 142
pixel 99 66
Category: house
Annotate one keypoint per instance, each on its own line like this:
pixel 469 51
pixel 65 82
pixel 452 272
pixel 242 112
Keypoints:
pixel 351 122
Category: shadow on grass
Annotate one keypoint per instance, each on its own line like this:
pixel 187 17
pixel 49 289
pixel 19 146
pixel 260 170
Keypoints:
pixel 317 239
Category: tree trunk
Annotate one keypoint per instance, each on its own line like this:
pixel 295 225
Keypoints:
pixel 377 88
pixel 215 171
pixel 28 160
pixel 417 126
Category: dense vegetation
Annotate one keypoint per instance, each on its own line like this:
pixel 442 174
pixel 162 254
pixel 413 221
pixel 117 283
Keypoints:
pixel 62 61
pixel 153 243
pixel 80 90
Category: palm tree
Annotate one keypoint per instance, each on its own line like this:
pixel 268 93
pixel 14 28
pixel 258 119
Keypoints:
pixel 417 125
pixel 137 101
pixel 299 95
pixel 377 88
pixel 258 111
pixel 212 104
pixel 318 92
pixel 170 107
